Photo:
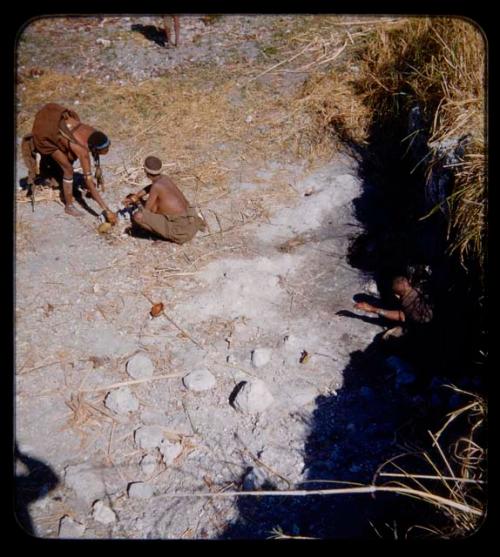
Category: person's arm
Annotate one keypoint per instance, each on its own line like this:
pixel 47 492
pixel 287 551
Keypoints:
pixel 83 157
pixel 152 199
pixel 134 198
pixel 392 315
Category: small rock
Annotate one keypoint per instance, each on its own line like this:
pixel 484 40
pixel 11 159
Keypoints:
pixel 249 119
pixel 121 401
pixel 252 397
pixel 140 366
pixel 170 451
pixel 102 513
pixel 199 380
pixel 260 357
pixel 371 288
pixel 148 464
pixel 85 482
pixel 69 528
pixel 104 42
pixel 148 437
pixel 140 490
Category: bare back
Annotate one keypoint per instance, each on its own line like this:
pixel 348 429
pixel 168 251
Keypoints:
pixel 167 198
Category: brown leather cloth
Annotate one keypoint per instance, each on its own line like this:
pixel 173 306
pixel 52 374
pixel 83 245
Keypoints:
pixel 176 228
pixel 28 153
pixel 49 127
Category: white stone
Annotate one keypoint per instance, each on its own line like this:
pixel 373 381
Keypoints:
pixel 199 380
pixel 140 490
pixel 253 397
pixel 371 288
pixel 85 482
pixel 105 42
pixel 148 464
pixel 260 357
pixel 170 451
pixel 121 401
pixel 69 528
pixel 148 437
pixel 140 366
pixel 102 513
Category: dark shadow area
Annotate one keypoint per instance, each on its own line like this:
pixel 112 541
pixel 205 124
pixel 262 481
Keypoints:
pixel 35 483
pixel 151 32
pixel 351 436
pixel 235 391
pixel 392 392
pixel 142 234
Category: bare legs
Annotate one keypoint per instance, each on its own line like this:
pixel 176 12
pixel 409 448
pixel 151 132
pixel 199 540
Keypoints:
pixel 176 29
pixel 67 184
pixel 138 221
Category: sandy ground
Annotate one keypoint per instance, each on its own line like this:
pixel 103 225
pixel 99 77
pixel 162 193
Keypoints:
pixel 256 279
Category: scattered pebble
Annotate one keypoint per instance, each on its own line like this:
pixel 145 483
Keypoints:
pixel 69 528
pixel 199 380
pixel 252 397
pixel 86 483
pixel 121 401
pixel 260 357
pixel 148 437
pixel 102 513
pixel 140 490
pixel 170 451
pixel 140 366
pixel 148 464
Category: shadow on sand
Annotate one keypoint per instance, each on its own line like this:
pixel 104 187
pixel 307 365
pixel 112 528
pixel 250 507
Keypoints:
pixel 35 482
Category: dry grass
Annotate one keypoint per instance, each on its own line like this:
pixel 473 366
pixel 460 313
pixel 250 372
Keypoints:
pixel 456 471
pixel 437 63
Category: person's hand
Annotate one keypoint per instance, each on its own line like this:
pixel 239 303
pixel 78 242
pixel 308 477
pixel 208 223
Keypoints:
pixel 111 217
pixel 364 306
pixel 131 199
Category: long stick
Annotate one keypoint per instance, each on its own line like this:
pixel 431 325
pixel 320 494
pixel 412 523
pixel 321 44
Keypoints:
pixel 134 382
pixel 339 491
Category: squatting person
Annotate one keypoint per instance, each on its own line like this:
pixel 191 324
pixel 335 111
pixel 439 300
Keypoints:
pixel 166 213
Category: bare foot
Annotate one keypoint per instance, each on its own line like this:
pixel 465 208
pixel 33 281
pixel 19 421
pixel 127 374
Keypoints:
pixel 71 210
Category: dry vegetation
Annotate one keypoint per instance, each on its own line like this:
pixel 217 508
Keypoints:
pixel 437 63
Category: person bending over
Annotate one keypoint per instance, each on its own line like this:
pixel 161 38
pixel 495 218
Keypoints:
pixel 58 132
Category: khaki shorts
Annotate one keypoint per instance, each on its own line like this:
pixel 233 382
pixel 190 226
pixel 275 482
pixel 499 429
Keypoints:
pixel 176 228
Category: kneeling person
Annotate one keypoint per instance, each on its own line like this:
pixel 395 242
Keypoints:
pixel 167 212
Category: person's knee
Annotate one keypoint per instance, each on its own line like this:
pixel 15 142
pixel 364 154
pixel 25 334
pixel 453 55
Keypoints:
pixel 137 217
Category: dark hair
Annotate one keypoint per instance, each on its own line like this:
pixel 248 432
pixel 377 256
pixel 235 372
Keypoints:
pixel 399 281
pixel 154 163
pixel 97 140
